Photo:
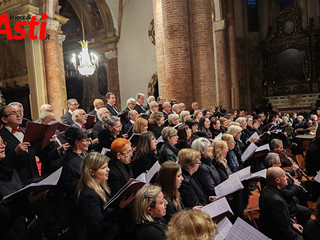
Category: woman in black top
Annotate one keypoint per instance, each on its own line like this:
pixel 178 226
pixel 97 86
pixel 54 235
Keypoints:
pixel 112 130
pixel 207 174
pixel 146 153
pixel 72 159
pixel 215 127
pixel 184 134
pixel 156 122
pixel 120 169
pixel 94 222
pixel 148 211
pixel 170 179
pixel 168 151
pixel 203 128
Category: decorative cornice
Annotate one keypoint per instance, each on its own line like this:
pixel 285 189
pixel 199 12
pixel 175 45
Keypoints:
pixel 61 38
pixel 111 54
pixel 53 24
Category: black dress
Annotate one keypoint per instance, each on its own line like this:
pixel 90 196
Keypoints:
pixel 143 163
pixel 155 129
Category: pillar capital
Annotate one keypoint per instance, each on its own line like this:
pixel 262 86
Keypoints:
pixel 52 24
pixel 61 38
pixel 111 54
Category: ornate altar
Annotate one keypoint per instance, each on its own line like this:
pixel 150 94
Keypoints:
pixel 291 57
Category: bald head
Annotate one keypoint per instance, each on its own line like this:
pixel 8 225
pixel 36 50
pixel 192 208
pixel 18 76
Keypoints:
pixel 276 177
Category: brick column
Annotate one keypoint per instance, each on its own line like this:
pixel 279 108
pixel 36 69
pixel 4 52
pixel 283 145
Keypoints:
pixel 63 87
pixel 51 59
pixel 202 52
pixel 159 39
pixel 177 82
pixel 233 55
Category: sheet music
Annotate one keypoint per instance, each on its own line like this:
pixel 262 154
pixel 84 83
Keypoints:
pixel 243 231
pixel 255 135
pixel 261 173
pixel 142 177
pixel 232 184
pixel 248 152
pixel 224 227
pixel 178 125
pixel 159 140
pixel 51 180
pixel 243 174
pixel 263 147
pixel 217 207
pixel 317 177
pixel 105 150
pixel 152 171
pixel 218 137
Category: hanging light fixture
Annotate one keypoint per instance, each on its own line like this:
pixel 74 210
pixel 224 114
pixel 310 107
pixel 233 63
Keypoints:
pixel 87 63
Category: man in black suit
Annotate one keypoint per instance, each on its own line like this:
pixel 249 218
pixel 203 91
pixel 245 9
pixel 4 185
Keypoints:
pixel 97 128
pixel 131 103
pixel 139 103
pixel 18 153
pixel 79 117
pixel 275 218
pixel 166 106
pixel 111 104
pixel 97 103
pixel 67 117
pixel 154 107
pixel 133 115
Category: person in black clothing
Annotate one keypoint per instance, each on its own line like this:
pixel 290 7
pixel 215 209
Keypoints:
pixel 156 122
pixel 231 157
pixel 184 134
pixel 193 125
pixel 92 221
pixel 240 146
pixel 146 153
pixel 168 151
pixel 67 117
pixel 120 169
pixel 148 211
pixel 191 191
pixel 170 179
pixel 312 227
pixel 207 174
pixel 203 128
pixel 112 130
pixel 215 127
pixel 312 157
pixel 97 128
pixel 274 213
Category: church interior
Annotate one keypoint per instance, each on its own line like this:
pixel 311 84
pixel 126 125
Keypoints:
pixel 245 54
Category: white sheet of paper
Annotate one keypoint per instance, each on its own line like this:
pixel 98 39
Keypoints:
pixel 248 152
pixel 243 174
pixel 232 184
pixel 105 150
pixel 217 207
pixel 243 231
pixel 317 177
pixel 218 137
pixel 159 140
pixel 261 173
pixel 224 227
pixel 152 171
pixel 263 147
pixel 142 177
pixel 255 135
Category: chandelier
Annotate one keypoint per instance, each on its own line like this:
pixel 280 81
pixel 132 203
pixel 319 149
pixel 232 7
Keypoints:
pixel 87 63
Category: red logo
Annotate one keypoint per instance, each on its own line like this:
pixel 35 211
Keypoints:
pixel 4 18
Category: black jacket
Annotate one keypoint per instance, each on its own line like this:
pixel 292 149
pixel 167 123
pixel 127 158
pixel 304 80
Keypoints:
pixel 182 144
pixel 143 163
pixel 113 111
pixel 312 158
pixel 274 216
pixel 25 163
pixel 208 176
pixel 223 172
pixel 168 153
pixel 139 109
pixel 119 175
pixel 155 129
pixel 151 231
pixel 93 222
pixel 97 128
pixel 67 118
pixel 191 191
pixel 171 210
pixel 105 139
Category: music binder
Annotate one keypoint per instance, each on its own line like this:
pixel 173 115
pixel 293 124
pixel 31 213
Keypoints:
pixel 39 135
pixel 132 186
pixel 41 186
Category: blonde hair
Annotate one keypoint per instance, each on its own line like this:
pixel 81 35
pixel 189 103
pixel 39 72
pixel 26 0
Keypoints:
pixel 227 137
pixel 139 125
pixel 195 114
pixel 93 161
pixel 188 158
pixel 145 198
pixel 191 225
pixel 234 130
pixel 183 115
pixel 220 146
pixel 168 132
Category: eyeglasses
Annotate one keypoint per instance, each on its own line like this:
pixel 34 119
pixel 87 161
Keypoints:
pixel 75 104
pixel 13 113
pixel 199 163
pixel 128 154
pixel 174 136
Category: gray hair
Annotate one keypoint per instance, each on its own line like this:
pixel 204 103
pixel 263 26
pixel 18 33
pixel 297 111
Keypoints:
pixel 71 100
pixel 275 143
pixel 44 115
pixel 200 144
pixel 271 159
pixel 130 100
pixel 150 99
pixel 75 113
pixel 153 104
pixel 183 114
pixel 109 121
pixel 172 117
pixel 13 104
pixel 241 120
pixel 99 112
pixel 165 104
pixel 139 95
